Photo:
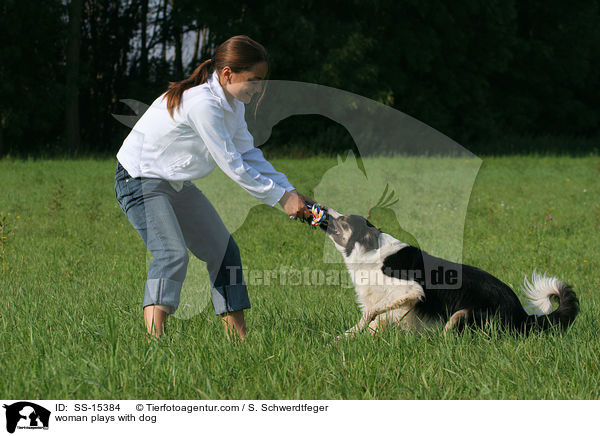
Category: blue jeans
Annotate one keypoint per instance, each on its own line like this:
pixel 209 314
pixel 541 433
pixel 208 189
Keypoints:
pixel 171 222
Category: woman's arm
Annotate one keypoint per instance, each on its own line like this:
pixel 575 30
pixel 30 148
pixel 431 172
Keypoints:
pixel 255 158
pixel 206 118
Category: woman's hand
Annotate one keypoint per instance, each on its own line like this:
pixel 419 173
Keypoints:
pixel 307 199
pixel 293 204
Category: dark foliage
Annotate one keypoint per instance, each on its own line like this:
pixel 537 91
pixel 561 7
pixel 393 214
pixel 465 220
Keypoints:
pixel 478 71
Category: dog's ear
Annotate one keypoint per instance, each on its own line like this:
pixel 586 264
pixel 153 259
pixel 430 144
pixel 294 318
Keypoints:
pixel 350 246
pixel 368 237
pixel 371 238
pixel 370 224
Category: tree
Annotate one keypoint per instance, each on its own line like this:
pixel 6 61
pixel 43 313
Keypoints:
pixel 72 135
pixel 32 72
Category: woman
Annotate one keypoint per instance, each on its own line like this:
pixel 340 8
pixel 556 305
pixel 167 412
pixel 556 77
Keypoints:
pixel 198 124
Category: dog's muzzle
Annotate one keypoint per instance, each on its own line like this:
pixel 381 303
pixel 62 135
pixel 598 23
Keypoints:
pixel 330 225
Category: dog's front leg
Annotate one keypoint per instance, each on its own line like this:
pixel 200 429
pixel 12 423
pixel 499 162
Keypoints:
pixel 381 321
pixel 365 319
pixel 400 316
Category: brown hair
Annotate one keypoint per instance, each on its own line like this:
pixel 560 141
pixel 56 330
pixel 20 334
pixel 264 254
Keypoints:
pixel 240 53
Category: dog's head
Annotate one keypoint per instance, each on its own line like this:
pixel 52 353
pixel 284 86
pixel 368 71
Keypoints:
pixel 347 231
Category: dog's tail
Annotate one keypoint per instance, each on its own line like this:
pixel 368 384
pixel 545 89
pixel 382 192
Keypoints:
pixel 541 294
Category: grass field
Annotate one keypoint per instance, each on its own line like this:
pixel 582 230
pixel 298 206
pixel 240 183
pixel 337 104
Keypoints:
pixel 72 274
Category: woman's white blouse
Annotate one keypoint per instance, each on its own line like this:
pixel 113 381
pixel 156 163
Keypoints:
pixel 206 131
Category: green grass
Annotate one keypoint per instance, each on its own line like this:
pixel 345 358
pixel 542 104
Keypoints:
pixel 72 274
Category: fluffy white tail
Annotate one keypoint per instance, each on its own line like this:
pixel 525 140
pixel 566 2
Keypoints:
pixel 539 293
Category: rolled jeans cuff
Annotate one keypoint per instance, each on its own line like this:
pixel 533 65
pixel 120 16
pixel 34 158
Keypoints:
pixel 164 292
pixel 230 298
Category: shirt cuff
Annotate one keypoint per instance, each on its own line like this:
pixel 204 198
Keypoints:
pixel 274 196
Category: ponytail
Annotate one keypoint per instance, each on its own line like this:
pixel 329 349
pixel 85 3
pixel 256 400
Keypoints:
pixel 175 90
pixel 240 53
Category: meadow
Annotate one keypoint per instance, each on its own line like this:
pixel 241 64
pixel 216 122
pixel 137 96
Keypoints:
pixel 73 269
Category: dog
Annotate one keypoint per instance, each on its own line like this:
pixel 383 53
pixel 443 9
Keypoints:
pixel 399 284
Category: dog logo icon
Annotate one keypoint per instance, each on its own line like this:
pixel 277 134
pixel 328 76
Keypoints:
pixel 26 415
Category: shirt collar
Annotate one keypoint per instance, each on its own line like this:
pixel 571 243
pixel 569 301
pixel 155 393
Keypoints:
pixel 217 90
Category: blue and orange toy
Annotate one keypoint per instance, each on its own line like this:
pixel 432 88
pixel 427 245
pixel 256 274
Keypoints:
pixel 319 215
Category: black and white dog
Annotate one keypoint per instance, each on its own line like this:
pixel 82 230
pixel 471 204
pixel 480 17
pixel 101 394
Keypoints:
pixel 398 284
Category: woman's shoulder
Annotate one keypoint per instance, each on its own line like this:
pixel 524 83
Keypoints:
pixel 200 98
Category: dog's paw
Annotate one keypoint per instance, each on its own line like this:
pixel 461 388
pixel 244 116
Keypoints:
pixel 347 335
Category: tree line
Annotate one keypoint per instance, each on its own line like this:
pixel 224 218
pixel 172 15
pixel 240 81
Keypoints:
pixel 476 70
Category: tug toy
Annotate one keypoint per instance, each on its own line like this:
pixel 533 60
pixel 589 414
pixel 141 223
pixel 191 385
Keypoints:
pixel 319 215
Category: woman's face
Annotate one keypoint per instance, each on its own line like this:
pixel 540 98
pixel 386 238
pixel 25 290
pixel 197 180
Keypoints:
pixel 245 84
